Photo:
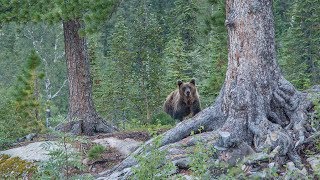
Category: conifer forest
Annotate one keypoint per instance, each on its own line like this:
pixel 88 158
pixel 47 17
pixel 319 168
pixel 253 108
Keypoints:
pixel 84 76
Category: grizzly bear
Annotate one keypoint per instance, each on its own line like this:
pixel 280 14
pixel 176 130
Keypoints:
pixel 183 102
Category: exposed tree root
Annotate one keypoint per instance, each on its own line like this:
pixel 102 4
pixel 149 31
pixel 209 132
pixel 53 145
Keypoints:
pixel 78 127
pixel 278 124
pixel 312 138
pixel 207 120
pixel 280 131
pixel 210 119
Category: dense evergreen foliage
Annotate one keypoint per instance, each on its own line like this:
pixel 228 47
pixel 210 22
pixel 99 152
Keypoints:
pixel 23 113
pixel 27 96
pixel 139 52
pixel 297 25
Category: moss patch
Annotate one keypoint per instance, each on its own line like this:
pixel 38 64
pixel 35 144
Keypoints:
pixel 14 167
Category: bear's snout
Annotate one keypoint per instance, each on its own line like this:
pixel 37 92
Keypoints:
pixel 187 92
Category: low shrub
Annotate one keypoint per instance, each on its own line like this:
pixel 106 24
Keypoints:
pixel 96 151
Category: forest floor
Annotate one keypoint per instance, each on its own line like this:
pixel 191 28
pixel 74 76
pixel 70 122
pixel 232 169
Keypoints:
pixel 120 145
pixel 117 147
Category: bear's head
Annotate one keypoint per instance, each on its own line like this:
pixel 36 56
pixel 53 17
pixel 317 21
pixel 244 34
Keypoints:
pixel 187 90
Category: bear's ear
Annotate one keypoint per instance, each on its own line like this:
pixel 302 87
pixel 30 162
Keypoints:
pixel 179 83
pixel 193 81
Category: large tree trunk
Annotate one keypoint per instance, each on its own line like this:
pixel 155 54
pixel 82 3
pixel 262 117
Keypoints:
pixel 82 114
pixel 257 109
pixel 263 109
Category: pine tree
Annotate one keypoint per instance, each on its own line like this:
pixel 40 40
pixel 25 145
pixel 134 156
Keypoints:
pixel 299 55
pixel 218 47
pixel 119 83
pixel 185 25
pixel 96 75
pixel 9 53
pixel 178 67
pixel 158 50
pixel 147 63
pixel 27 96
pixel 281 11
pixel 73 15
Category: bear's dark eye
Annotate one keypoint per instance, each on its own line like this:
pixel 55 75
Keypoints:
pixel 184 88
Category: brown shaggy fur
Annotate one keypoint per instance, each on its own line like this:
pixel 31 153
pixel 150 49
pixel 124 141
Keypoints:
pixel 183 102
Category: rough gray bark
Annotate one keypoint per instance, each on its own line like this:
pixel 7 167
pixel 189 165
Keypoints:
pixel 82 113
pixel 257 109
pixel 263 109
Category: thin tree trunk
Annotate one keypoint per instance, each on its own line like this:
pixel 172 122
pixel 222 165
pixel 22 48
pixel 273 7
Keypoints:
pixel 82 113
pixel 36 95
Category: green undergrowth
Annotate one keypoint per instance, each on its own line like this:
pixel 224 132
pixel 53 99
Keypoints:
pixel 95 152
pixel 152 129
pixel 315 121
pixel 205 164
pixel 153 164
pixel 200 160
pixel 65 161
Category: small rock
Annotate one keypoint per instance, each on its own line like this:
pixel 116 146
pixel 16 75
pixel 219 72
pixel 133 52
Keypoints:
pixel 258 175
pixel 314 161
pixel 291 166
pixel 293 170
pixel 234 155
pixel 30 137
pixel 271 165
pixel 76 128
pixel 125 146
pixel 117 174
pixel 85 161
pixel 182 163
pixel 37 151
pixel 243 167
pixel 21 139
pixel 187 177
